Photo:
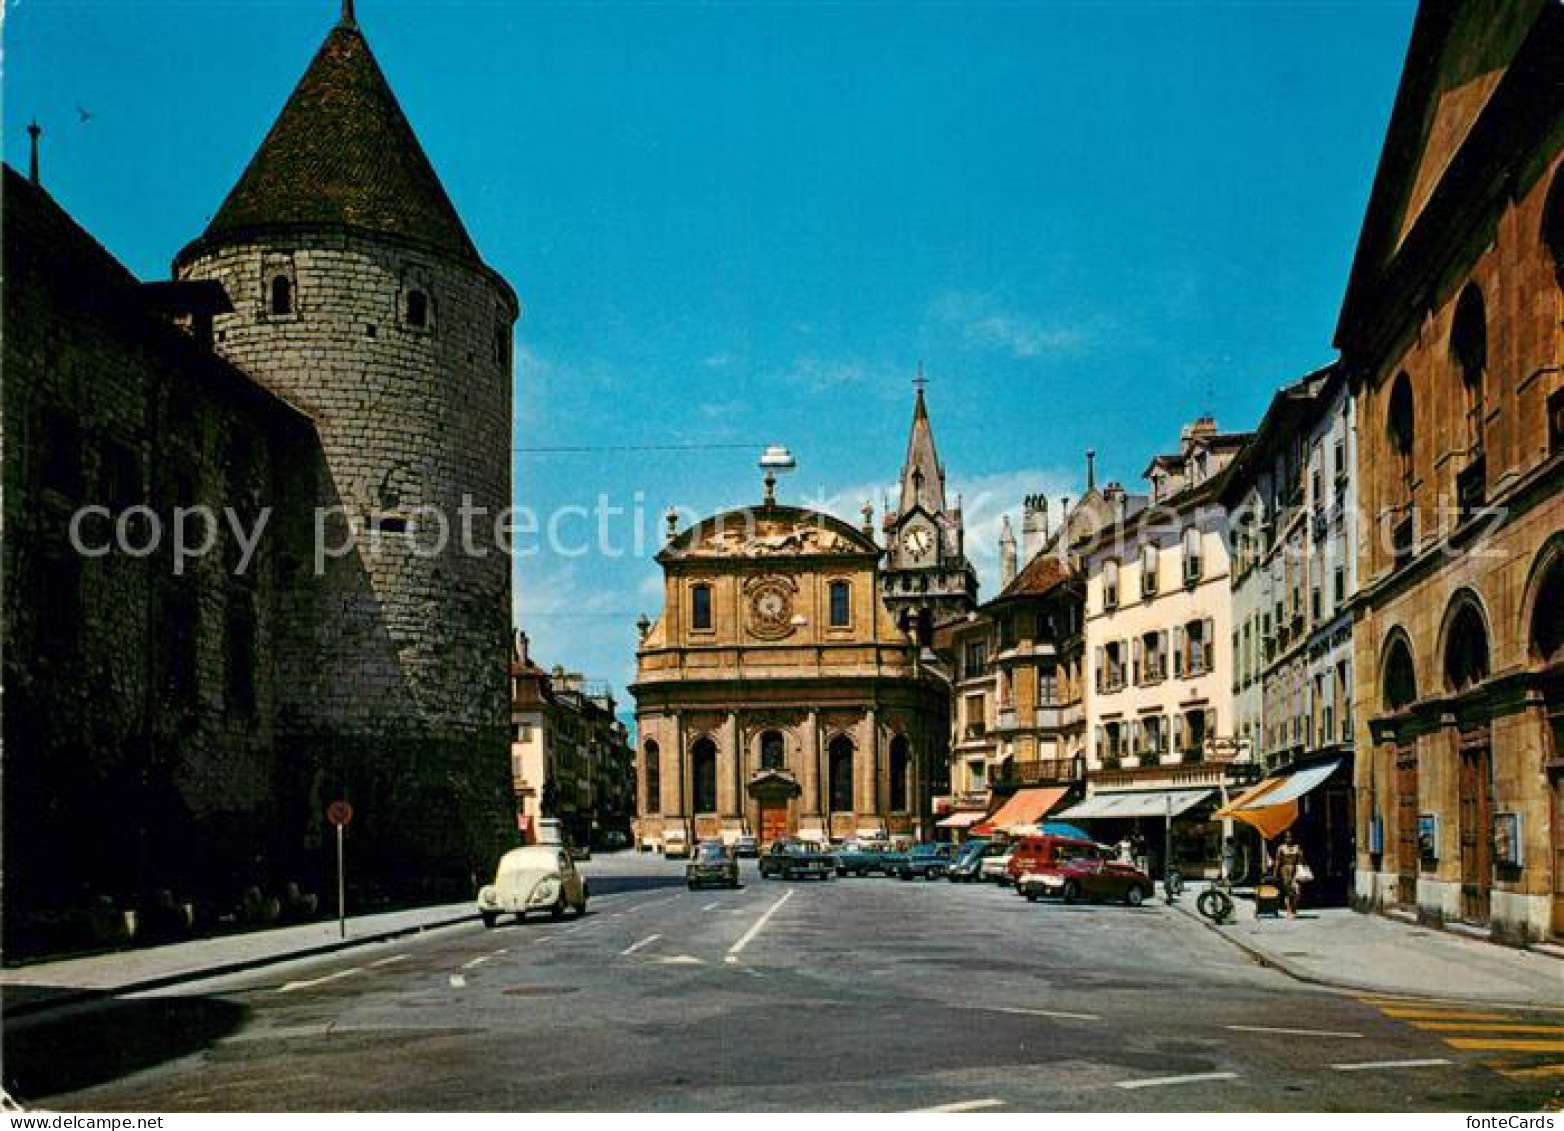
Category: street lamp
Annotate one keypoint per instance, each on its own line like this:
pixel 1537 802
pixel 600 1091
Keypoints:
pixel 774 461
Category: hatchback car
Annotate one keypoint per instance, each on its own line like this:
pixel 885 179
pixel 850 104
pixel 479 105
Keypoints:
pixel 746 845
pixel 539 877
pixel 925 861
pixel 714 863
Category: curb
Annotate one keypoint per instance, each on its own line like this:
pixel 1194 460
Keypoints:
pixel 1270 961
pixel 80 997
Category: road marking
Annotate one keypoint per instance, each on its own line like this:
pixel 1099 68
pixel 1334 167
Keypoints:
pixel 1535 1073
pixel 457 981
pixel 479 961
pixel 712 906
pixel 1506 1027
pixel 1290 1032
pixel 962 1105
pixel 1506 1045
pixel 1042 1013
pixel 1441 1015
pixel 320 981
pixel 388 961
pixel 497 953
pixel 1370 1065
pixel 680 960
pixel 1192 1078
pixel 633 947
pixel 737 948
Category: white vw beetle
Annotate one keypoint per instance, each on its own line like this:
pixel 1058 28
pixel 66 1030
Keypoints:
pixel 539 877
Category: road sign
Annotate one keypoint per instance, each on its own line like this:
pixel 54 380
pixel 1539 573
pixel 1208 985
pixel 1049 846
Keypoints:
pixel 339 813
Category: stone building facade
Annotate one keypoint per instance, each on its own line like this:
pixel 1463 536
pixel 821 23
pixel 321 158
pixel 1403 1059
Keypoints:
pixel 1452 330
pixel 1292 500
pixel 776 694
pixel 1159 713
pixel 570 755
pixel 332 355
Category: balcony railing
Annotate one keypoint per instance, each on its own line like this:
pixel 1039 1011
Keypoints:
pixel 1048 771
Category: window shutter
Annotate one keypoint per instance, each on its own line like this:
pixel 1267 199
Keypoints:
pixel 1211 723
pixel 1099 676
pixel 1136 669
pixel 1100 751
pixel 1178 651
pixel 1208 644
pixel 1178 732
pixel 1162 653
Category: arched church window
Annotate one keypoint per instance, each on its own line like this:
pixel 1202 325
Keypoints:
pixel 703 765
pixel 840 760
pixel 901 773
pixel 772 751
pixel 652 803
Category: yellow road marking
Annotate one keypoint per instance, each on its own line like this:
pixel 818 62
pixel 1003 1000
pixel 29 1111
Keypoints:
pixel 1498 1043
pixel 1442 1015
pixel 1536 1073
pixel 1489 1027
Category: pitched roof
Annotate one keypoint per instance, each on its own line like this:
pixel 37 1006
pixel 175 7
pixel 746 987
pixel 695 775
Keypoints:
pixel 1042 574
pixel 342 153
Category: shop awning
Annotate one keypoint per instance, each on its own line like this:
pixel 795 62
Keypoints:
pixel 1025 807
pixel 960 820
pixel 1136 803
pixel 1272 806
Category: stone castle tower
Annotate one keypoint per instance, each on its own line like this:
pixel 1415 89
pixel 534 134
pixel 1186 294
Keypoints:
pixel 358 296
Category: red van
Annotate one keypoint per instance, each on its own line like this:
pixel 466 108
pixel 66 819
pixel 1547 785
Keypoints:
pixel 1034 853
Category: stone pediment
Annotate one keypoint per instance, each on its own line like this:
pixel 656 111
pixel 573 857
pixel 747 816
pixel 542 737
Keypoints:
pixel 769 532
pixel 773 785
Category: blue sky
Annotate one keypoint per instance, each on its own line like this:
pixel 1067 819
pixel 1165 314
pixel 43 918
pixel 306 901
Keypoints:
pixel 738 224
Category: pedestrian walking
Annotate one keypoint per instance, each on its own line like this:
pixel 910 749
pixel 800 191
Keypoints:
pixel 1291 871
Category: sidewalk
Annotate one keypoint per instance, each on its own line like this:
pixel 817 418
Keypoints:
pixel 1339 947
pixel 49 985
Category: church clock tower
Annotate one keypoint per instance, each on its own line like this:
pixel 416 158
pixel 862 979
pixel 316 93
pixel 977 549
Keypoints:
pixel 927 580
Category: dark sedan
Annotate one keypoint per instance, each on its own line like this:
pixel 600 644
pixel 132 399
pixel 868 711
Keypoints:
pixel 713 864
pixel 924 862
pixel 791 859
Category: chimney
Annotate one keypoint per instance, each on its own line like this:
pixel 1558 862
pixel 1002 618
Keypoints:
pixel 1007 554
pixel 1091 469
pixel 1034 525
pixel 1114 494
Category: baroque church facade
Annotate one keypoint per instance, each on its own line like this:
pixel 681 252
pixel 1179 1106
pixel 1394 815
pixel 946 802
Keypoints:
pixel 781 692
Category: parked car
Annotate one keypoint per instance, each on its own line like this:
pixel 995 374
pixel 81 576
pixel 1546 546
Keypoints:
pixel 580 851
pixel 1091 873
pixel 924 862
pixel 713 863
pixel 790 859
pixel 675 844
pixel 995 867
pixel 969 859
pixel 746 845
pixel 863 857
pixel 1037 853
pixel 538 877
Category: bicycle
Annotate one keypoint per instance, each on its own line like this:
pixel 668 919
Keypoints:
pixel 1216 902
pixel 1172 883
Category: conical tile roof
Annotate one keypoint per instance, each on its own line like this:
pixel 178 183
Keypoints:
pixel 342 153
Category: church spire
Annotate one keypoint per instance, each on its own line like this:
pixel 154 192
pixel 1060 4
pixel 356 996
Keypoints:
pixel 922 476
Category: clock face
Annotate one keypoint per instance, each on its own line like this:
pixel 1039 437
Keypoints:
pixel 771 609
pixel 918 542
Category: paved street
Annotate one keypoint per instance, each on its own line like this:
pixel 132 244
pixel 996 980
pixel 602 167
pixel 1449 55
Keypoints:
pixel 863 994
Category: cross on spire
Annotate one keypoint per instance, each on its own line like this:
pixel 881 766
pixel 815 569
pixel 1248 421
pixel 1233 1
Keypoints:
pixel 33 132
pixel 920 382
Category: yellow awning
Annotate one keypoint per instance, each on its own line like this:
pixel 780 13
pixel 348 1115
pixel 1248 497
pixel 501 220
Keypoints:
pixel 1250 808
